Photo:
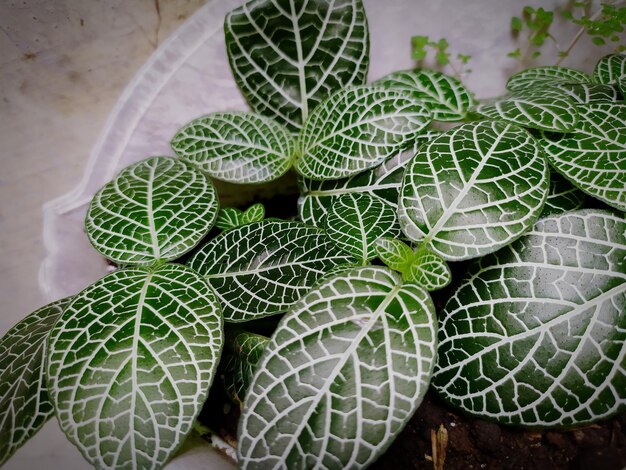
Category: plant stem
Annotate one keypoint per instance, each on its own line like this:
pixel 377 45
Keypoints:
pixel 565 53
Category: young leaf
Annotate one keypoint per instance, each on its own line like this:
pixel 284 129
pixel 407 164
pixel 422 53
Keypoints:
pixel 289 56
pixel 610 69
pixel 429 271
pixel 445 96
pixel 382 181
pixel 154 210
pixel 593 157
pixel 356 221
pixel 562 196
pixel 130 363
pixel 394 253
pixel 342 374
pixel 533 110
pixel 473 189
pixel 262 268
pixel 254 213
pixel 228 218
pixel 244 353
pixel 544 76
pixel 24 402
pixel 236 147
pixel 536 336
pixel 356 129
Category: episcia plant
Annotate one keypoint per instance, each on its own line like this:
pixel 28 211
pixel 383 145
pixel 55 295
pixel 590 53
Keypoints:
pixel 323 330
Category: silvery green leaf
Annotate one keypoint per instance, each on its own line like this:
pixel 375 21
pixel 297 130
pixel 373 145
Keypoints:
pixel 536 335
pixel 244 351
pixel 263 268
pixel 229 218
pixel 545 75
pixel 594 156
pixel 533 110
pixel 236 147
pixel 610 69
pixel 342 374
pixel 394 253
pixel 254 213
pixel 356 221
pixel 582 93
pixel 154 210
pixel 382 181
pixel 429 271
pixel 562 196
pixel 445 96
pixel 24 402
pixel 130 363
pixel 473 189
pixel 357 129
pixel 288 56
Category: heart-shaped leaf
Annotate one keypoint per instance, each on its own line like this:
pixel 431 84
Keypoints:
pixel 154 210
pixel 536 336
pixel 382 181
pixel 357 129
pixel 533 110
pixel 594 156
pixel 130 364
pixel 243 353
pixel 395 253
pixel 562 196
pixel 288 56
pixel 263 268
pixel 429 271
pixel 236 147
pixel 445 96
pixel 473 189
pixel 610 69
pixel 342 374
pixel 24 402
pixel 231 217
pixel 545 75
pixel 356 221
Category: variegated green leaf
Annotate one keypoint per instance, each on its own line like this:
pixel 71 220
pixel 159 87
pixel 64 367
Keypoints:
pixel 154 210
pixel 533 110
pixel 130 363
pixel 429 271
pixel 536 336
pixel 583 93
pixel 243 353
pixel 394 253
pixel 230 217
pixel 343 373
pixel 382 181
pixel 445 96
pixel 254 213
pixel 356 221
pixel 263 268
pixel 594 156
pixel 357 129
pixel 236 147
pixel 24 402
pixel 545 75
pixel 562 196
pixel 288 56
pixel 473 189
pixel 610 69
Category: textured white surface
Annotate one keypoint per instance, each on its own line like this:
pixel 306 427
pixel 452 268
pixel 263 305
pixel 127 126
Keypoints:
pixel 64 64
